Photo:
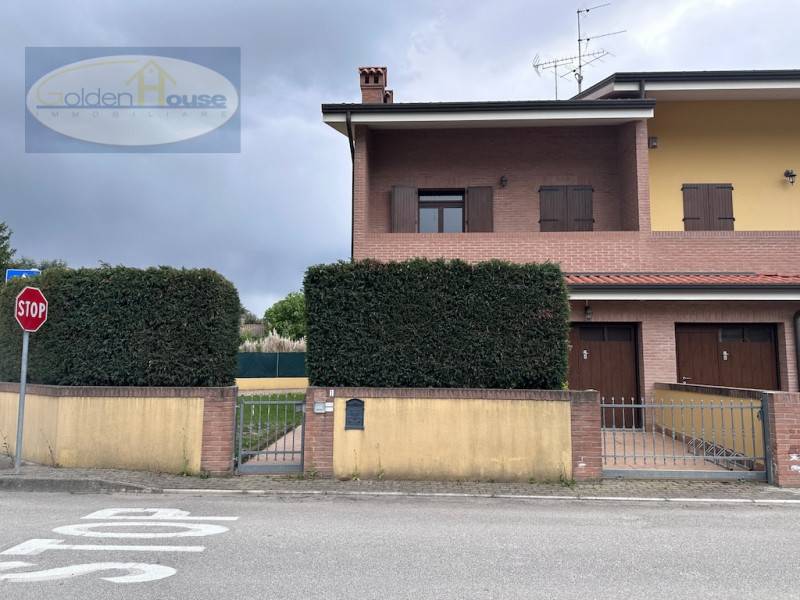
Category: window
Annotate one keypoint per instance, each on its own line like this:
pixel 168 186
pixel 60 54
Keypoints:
pixel 566 208
pixel 441 211
pixel 707 206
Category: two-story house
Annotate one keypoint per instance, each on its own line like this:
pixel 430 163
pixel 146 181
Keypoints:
pixel 668 198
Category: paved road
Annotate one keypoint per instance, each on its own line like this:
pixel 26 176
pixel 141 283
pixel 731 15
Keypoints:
pixel 326 547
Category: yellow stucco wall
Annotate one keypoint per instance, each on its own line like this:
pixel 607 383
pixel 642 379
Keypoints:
pixel 154 434
pixel 271 383
pixel 748 144
pixel 731 427
pixel 469 439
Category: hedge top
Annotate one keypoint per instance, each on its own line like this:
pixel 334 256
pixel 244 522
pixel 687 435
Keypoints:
pixel 436 323
pixel 122 326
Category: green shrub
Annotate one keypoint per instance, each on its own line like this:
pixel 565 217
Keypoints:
pixel 438 323
pixel 124 326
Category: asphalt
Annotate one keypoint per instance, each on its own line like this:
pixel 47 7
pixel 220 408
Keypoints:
pixel 415 547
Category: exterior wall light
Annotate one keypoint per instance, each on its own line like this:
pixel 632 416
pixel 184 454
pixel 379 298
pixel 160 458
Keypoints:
pixel 587 312
pixel 652 142
pixel 503 181
pixel 790 175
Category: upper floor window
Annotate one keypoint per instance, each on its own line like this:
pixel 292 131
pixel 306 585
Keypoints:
pixel 441 212
pixel 566 208
pixel 707 206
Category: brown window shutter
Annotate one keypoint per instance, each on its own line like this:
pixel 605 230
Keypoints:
pixel 579 208
pixel 720 200
pixel 694 207
pixel 552 208
pixel 405 209
pixel 479 209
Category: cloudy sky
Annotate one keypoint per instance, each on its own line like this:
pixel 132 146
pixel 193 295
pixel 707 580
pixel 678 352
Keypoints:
pixel 260 217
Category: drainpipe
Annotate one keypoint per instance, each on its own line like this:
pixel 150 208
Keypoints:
pixel 797 342
pixel 349 122
pixel 641 88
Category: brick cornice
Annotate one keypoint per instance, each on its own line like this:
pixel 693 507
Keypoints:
pixel 209 393
pixel 454 393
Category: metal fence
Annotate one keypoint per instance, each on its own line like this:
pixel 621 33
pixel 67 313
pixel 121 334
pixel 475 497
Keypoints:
pixel 710 438
pixel 269 433
pixel 271 364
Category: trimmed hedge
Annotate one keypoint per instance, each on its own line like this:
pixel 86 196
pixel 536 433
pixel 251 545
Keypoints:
pixel 423 323
pixel 126 327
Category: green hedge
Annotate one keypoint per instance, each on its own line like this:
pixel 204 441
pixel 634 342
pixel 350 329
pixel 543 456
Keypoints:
pixel 439 323
pixel 124 326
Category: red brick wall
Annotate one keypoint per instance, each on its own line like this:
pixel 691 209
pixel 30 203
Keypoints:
pixel 587 444
pixel 784 438
pixel 318 435
pixel 529 157
pixel 657 324
pixel 219 413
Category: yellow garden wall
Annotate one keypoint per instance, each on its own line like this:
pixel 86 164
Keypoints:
pixel 142 433
pixel 746 143
pixel 455 438
pixel 246 384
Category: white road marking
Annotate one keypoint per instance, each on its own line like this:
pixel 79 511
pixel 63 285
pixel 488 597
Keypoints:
pixel 190 530
pixel 172 514
pixel 37 546
pixel 137 572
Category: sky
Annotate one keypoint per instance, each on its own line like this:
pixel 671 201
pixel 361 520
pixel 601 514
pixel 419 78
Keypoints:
pixel 262 216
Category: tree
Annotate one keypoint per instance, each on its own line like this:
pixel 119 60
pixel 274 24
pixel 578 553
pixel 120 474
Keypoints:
pixel 25 262
pixel 288 316
pixel 6 251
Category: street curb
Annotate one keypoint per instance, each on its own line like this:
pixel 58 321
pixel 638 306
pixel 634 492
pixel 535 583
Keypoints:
pixel 71 486
pixel 224 492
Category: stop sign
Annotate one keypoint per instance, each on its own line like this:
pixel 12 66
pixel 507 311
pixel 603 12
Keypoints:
pixel 30 309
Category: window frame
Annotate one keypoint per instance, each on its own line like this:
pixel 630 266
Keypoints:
pixel 441 205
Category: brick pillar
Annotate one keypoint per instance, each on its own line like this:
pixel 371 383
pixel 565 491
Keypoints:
pixel 219 413
pixel 318 435
pixel 587 445
pixel 783 410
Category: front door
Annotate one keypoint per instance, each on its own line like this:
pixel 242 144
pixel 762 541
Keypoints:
pixel 603 357
pixel 742 356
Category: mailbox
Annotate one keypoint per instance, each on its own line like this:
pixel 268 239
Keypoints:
pixel 354 414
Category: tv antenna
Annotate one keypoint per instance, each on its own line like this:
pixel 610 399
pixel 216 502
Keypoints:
pixel 583 42
pixel 564 62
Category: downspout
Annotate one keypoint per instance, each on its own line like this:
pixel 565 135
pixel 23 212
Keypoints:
pixel 797 342
pixel 641 88
pixel 349 122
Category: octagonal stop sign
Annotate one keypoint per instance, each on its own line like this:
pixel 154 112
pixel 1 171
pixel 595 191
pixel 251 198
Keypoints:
pixel 30 309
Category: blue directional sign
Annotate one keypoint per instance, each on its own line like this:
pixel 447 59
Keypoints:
pixel 24 273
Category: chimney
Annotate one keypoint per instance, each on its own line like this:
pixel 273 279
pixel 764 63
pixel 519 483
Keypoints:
pixel 373 85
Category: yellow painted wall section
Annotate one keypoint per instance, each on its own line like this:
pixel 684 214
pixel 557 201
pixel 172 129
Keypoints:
pixel 731 427
pixel 247 384
pixel 153 434
pixel 467 439
pixel 746 143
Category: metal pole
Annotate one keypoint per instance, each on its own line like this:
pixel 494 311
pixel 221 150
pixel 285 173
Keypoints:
pixel 23 377
pixel 580 66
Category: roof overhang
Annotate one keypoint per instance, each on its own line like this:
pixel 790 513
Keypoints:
pixel 684 294
pixel 459 115
pixel 699 85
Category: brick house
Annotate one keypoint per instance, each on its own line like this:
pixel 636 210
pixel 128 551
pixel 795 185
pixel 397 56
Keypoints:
pixel 668 199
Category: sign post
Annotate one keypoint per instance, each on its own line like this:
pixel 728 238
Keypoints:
pixel 30 310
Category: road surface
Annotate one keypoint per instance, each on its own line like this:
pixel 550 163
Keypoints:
pixel 345 547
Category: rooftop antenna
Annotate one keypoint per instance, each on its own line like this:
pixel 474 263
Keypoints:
pixel 583 42
pixel 566 61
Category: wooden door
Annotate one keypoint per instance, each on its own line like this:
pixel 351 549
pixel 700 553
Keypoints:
pixel 603 357
pixel 741 356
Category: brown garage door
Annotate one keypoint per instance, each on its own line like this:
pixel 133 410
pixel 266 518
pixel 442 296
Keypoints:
pixel 729 355
pixel 603 357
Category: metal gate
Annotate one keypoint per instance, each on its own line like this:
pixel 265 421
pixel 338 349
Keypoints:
pixel 686 437
pixel 269 434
